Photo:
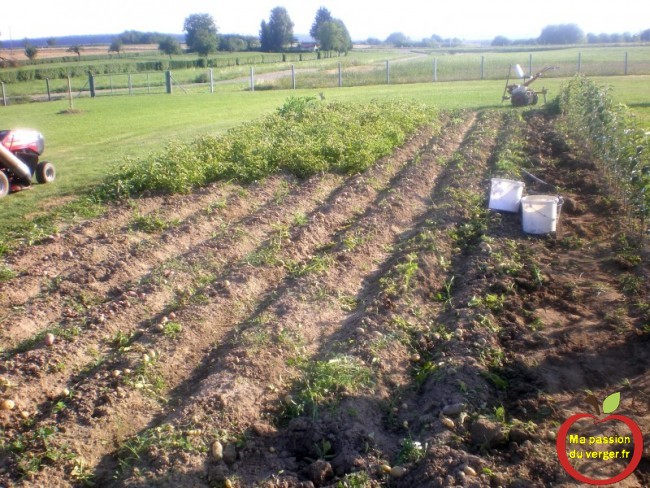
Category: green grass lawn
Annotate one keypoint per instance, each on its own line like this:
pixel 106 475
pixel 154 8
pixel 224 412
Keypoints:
pixel 86 145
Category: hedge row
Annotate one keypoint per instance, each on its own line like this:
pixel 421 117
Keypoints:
pixel 609 134
pixel 81 69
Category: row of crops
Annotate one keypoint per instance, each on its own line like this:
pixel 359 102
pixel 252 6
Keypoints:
pixel 608 133
pixel 303 137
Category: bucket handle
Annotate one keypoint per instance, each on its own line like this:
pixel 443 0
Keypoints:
pixel 560 202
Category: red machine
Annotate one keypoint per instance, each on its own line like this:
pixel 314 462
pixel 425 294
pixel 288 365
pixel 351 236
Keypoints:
pixel 19 160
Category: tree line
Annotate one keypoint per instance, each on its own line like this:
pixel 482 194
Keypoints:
pixel 276 35
pixel 203 38
pixel 561 34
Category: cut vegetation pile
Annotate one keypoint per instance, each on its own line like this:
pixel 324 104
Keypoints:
pixel 328 302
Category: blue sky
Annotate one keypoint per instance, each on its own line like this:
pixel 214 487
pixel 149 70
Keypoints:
pixel 466 19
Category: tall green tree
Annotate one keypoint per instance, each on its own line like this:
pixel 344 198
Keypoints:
pixel 265 36
pixel 330 33
pixel 169 46
pixel 277 32
pixel 201 34
pixel 334 36
pixel 500 41
pixel 397 39
pixel 31 51
pixel 322 15
pixel 76 48
pixel 232 43
pixel 561 34
pixel 116 46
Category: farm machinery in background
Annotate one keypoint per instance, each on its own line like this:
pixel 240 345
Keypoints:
pixel 19 160
pixel 520 95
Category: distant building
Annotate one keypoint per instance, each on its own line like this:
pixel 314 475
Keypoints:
pixel 308 46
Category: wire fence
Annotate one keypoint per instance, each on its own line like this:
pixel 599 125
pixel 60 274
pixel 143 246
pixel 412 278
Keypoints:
pixel 418 68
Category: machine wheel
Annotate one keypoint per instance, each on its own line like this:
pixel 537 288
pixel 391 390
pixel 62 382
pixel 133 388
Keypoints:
pixel 519 99
pixel 535 99
pixel 4 185
pixel 45 172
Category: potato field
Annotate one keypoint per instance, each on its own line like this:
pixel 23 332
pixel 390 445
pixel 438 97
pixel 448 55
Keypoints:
pixel 365 321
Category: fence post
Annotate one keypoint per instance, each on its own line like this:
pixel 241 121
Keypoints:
pixel 47 85
pixel 148 85
pixel 70 93
pixel 130 85
pixel 211 80
pixel 625 63
pixel 252 79
pixel 340 76
pixel 579 61
pixel 387 73
pixel 110 82
pixel 530 64
pixel 482 67
pixel 293 76
pixel 91 84
pixel 4 95
pixel 168 81
pixel 435 69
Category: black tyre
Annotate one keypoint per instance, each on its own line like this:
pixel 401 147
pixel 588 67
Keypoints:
pixel 45 172
pixel 4 185
pixel 519 99
pixel 535 99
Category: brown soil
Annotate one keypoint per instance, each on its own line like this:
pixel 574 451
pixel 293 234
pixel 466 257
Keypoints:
pixel 18 54
pixel 480 340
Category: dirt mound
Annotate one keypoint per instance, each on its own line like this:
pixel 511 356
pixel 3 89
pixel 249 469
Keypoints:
pixel 384 329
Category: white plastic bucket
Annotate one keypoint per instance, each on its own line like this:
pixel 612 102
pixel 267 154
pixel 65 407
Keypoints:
pixel 505 194
pixel 540 213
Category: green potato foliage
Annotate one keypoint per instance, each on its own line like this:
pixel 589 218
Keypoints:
pixel 303 137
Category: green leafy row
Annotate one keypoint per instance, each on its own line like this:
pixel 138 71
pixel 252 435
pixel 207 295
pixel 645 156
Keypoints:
pixel 611 137
pixel 303 137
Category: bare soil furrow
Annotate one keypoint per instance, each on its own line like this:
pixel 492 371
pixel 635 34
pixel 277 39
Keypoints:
pixel 121 257
pixel 339 208
pixel 385 329
pixel 61 254
pixel 180 357
pixel 86 402
pixel 132 311
pixel 244 381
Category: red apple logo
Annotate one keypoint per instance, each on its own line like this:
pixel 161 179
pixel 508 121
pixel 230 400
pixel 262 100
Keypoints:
pixel 610 404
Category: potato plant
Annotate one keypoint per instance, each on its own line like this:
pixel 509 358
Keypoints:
pixel 303 137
